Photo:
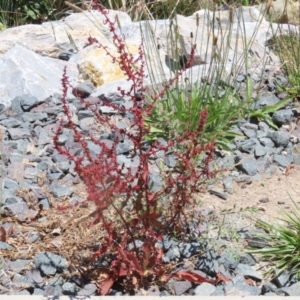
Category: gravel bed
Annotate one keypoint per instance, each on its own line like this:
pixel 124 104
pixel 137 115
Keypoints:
pixel 48 179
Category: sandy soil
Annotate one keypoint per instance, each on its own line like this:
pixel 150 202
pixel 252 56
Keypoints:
pixel 265 199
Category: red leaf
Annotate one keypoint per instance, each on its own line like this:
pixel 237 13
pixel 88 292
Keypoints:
pixel 2 234
pixel 123 270
pixel 147 253
pixel 134 263
pixel 193 277
pixel 106 285
pixel 250 282
pixel 221 277
pixel 99 252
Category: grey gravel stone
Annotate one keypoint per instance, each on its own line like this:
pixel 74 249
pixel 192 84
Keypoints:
pixel 283 116
pixel 248 271
pixel 280 138
pixel 164 293
pixel 261 134
pixel 18 209
pixel 21 293
pixel 266 101
pixel 259 150
pixel 268 287
pixel 180 287
pixel 238 287
pixel 155 182
pixel 44 137
pixel 293 290
pixel 37 291
pixel 45 203
pixel 262 164
pixel 88 290
pixel 35 275
pixel 10 184
pixel 190 249
pixel 32 117
pixel 33 237
pixel 172 255
pixel 247 146
pixel 13 200
pixel 31 173
pixel 255 238
pixel 10 123
pixel 82 114
pixel 283 160
pixel 170 160
pixel 249 166
pixel 58 190
pixel 22 280
pixel 16 157
pixel 282 278
pixel 27 102
pixel 228 185
pixel 229 259
pixel 250 133
pixel 219 194
pixel 267 142
pixel 207 263
pixel 17 265
pixel 57 280
pixel 69 288
pixel 50 263
pixel 19 133
pixel 51 290
pixel 248 259
pixel 204 289
pixel 5 246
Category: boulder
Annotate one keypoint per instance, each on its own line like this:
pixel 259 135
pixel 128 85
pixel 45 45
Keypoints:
pixel 38 45
pixel 22 71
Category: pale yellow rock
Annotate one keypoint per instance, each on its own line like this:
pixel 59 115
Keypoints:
pixel 95 65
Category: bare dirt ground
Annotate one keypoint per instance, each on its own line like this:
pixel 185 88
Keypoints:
pixel 263 199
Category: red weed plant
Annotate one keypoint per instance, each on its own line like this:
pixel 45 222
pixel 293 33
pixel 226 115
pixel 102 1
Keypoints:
pixel 141 213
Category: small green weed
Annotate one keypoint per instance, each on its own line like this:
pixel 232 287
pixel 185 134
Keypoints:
pixel 283 243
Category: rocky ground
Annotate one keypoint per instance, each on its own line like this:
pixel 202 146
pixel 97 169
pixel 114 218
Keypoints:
pixel 43 250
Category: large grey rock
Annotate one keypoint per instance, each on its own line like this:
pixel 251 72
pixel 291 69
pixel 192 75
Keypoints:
pixel 22 71
pixel 52 38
